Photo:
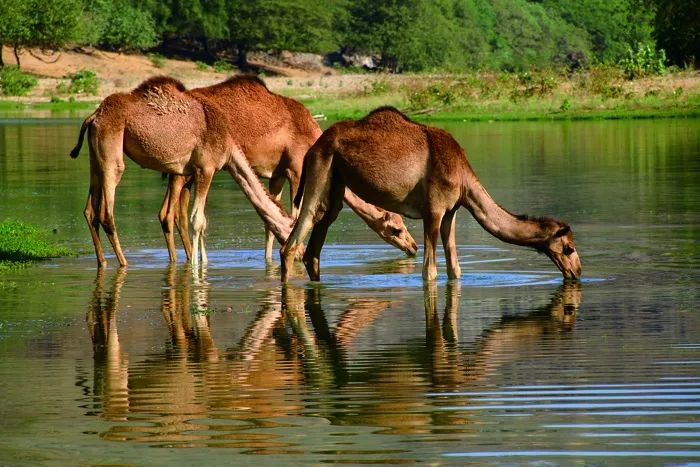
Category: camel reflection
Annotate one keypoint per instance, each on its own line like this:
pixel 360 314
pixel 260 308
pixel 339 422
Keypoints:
pixel 196 392
pixel 111 367
pixel 453 367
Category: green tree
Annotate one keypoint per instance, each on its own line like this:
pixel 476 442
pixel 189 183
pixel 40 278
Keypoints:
pixel 39 23
pixel 612 26
pixel 298 25
pixel 678 30
pixel 118 25
pixel 408 34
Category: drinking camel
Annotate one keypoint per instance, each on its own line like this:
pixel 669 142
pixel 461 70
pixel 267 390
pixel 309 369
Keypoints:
pixel 417 171
pixel 237 125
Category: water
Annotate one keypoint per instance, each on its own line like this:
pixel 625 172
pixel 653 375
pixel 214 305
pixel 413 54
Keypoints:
pixel 163 364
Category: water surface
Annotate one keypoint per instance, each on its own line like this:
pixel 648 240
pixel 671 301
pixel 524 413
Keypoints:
pixel 159 364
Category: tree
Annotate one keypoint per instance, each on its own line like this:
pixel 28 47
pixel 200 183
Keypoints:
pixel 678 30
pixel 612 26
pixel 118 25
pixel 38 23
pixel 280 25
pixel 409 35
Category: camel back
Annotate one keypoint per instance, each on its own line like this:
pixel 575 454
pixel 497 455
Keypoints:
pixel 252 110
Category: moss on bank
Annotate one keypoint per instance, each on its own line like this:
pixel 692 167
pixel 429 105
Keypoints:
pixel 21 244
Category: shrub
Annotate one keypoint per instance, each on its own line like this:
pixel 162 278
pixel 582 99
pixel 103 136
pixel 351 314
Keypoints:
pixel 201 66
pixel 222 66
pixel 644 61
pixel 435 95
pixel 533 84
pixel 14 82
pixel 82 82
pixel 377 88
pixel 157 60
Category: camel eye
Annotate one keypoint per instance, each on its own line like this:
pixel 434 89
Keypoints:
pixel 568 249
pixel 395 232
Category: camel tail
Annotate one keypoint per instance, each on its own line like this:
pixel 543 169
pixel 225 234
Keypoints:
pixel 76 150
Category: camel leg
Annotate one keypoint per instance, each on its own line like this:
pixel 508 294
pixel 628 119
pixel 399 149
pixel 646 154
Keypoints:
pixel 447 232
pixel 92 208
pixel 168 212
pixel 312 256
pixel 276 185
pixel 431 227
pixel 199 221
pixel 181 218
pixel 313 208
pixel 107 212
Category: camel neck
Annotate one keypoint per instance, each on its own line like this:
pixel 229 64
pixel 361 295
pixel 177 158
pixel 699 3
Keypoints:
pixel 495 219
pixel 272 213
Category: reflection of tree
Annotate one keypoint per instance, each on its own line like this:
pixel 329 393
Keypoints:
pixel 194 393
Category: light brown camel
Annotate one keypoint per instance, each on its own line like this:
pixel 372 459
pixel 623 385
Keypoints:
pixel 162 126
pixel 274 133
pixel 417 171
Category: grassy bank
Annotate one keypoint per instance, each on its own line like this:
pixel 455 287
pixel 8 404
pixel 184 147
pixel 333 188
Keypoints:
pixel 22 244
pixel 593 93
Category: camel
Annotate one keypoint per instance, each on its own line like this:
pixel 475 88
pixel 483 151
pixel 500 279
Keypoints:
pixel 236 125
pixel 417 171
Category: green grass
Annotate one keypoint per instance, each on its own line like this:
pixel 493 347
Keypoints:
pixel 21 244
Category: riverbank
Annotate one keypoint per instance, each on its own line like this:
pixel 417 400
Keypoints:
pixel 594 93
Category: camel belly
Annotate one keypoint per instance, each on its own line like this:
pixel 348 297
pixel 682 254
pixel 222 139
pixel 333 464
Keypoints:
pixel 159 153
pixel 395 190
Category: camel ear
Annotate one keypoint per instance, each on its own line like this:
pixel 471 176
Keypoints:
pixel 563 231
pixel 387 215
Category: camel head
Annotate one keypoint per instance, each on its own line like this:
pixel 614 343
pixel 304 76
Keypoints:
pixel 394 231
pixel 560 248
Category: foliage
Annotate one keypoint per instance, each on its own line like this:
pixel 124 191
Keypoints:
pixel 157 60
pixel 643 61
pixel 118 25
pixel 201 66
pixel 38 23
pixel 677 31
pixel 280 25
pixel 14 82
pixel 222 66
pixel 20 242
pixel 81 82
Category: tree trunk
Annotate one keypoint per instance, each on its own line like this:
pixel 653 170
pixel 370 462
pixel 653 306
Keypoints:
pixel 242 59
pixel 15 50
pixel 2 63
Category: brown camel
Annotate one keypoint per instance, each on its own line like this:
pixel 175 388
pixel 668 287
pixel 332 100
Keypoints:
pixel 192 134
pixel 417 171
pixel 274 133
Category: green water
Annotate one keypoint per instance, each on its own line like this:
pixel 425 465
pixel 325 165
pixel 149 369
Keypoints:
pixel 161 364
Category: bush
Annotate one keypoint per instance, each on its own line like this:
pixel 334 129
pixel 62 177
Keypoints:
pixel 644 61
pixel 82 82
pixel 14 82
pixel 435 95
pixel 222 66
pixel 157 60
pixel 377 88
pixel 201 66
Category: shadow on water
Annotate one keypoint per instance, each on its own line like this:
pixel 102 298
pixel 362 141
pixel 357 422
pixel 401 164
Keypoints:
pixel 293 367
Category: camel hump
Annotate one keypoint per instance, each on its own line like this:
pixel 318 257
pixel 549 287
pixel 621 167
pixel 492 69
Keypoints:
pixel 164 94
pixel 245 80
pixel 163 83
pixel 386 114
